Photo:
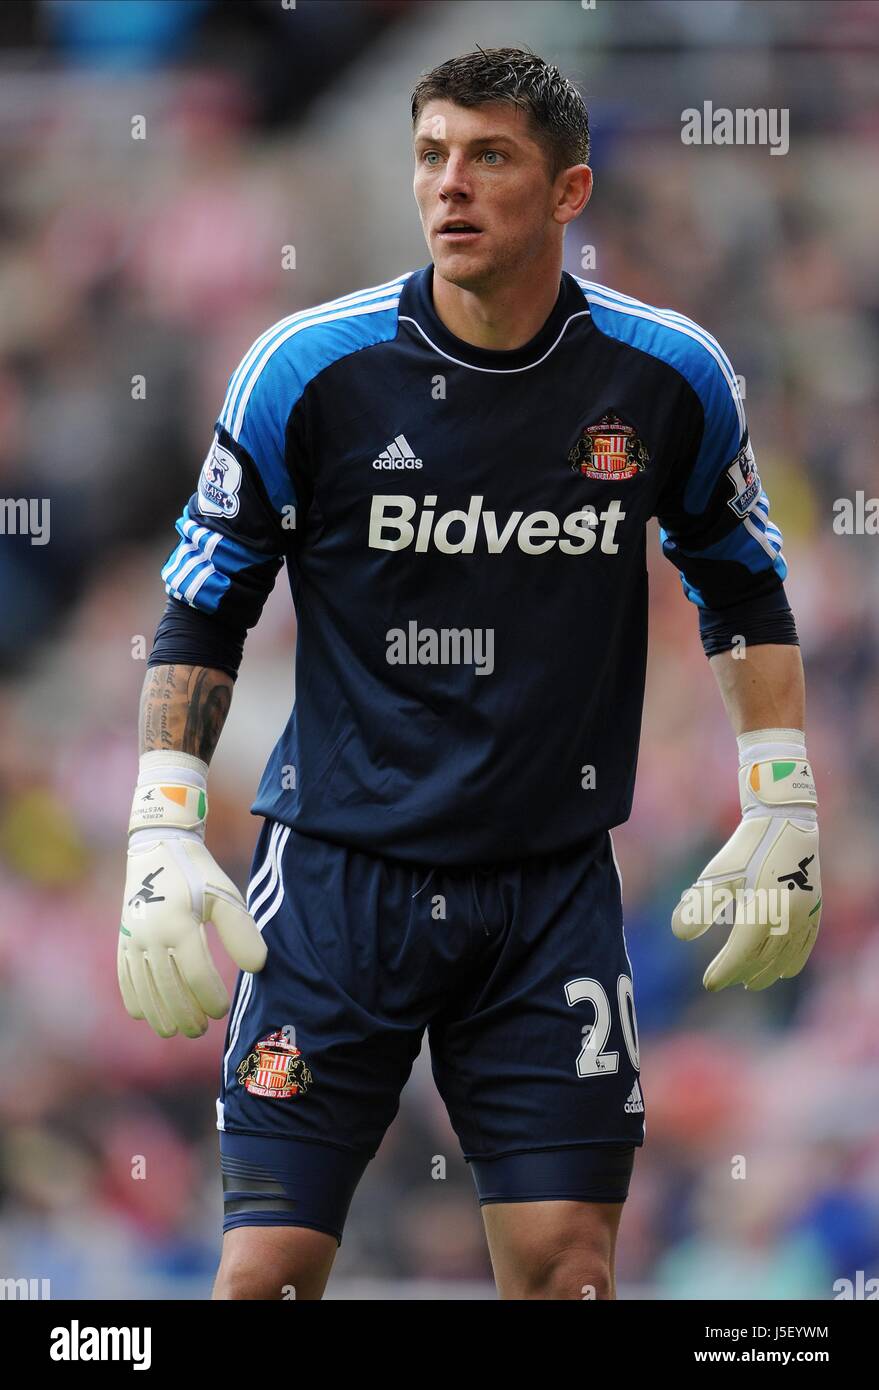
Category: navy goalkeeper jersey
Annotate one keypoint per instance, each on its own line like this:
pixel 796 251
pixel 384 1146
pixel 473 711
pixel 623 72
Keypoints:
pixel 464 534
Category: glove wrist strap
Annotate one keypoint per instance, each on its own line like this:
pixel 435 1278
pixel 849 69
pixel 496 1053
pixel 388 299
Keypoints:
pixel 775 777
pixel 170 796
pixel 757 745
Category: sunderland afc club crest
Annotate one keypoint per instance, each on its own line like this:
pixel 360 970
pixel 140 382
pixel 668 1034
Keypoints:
pixel 609 451
pixel 275 1069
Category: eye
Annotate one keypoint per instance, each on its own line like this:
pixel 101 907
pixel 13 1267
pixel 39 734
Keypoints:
pixel 495 155
pixel 428 154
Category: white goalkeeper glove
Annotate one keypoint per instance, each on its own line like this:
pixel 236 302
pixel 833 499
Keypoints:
pixel 172 889
pixel 766 881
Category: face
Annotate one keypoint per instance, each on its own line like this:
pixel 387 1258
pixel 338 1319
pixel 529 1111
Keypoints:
pixel 482 167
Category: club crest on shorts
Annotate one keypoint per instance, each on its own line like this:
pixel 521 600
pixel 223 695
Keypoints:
pixel 609 451
pixel 275 1068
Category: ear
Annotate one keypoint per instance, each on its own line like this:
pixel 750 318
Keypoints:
pixel 575 190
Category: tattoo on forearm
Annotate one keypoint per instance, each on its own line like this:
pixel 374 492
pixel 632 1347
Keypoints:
pixel 184 708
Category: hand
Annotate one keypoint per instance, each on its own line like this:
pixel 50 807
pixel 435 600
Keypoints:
pixel 765 882
pixel 173 888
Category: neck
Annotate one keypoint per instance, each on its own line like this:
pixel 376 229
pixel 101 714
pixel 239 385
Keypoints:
pixel 503 316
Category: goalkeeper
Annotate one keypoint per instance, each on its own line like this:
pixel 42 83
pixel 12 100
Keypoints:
pixel 462 460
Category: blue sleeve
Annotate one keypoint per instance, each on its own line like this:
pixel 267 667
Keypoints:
pixel 713 511
pixel 236 529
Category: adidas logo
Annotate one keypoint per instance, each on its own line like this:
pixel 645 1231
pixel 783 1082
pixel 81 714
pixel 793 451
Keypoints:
pixel 635 1104
pixel 397 454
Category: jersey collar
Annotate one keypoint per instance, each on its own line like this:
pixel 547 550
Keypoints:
pixel 417 311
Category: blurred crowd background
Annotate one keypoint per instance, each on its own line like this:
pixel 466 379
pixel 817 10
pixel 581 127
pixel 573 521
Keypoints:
pixel 268 127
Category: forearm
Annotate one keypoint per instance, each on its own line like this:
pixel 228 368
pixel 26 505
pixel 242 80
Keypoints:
pixel 764 689
pixel 184 708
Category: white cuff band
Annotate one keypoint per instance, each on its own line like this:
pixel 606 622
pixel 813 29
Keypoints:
pixel 168 765
pixel 761 745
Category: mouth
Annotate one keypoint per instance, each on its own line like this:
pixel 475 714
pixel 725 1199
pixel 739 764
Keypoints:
pixel 458 231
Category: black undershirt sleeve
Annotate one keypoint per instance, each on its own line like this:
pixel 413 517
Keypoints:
pixel 187 636
pixel 767 619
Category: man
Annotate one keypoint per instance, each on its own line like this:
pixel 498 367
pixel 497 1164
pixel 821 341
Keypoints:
pixel 458 468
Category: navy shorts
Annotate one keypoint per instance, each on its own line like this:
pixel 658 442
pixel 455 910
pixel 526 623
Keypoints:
pixel 519 973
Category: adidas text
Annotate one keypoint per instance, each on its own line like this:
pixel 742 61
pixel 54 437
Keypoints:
pixel 635 1104
pixel 398 454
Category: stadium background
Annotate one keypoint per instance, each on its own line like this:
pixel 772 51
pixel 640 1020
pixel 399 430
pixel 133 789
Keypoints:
pixel 268 127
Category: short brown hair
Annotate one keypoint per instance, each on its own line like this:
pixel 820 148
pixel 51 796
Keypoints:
pixel 557 110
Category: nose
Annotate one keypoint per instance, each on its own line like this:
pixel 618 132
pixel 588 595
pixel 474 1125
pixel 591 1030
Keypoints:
pixel 455 183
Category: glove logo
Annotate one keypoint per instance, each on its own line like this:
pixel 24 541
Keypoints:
pixel 145 892
pixel 219 483
pixel 275 1069
pixel 800 876
pixel 609 451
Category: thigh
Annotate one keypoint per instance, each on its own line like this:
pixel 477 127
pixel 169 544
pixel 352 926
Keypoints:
pixel 274 1263
pixel 320 1042
pixel 553 1250
pixel 540 1054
